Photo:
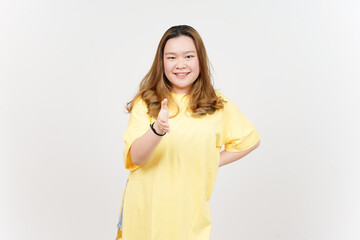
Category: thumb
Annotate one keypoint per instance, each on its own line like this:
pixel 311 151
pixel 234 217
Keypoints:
pixel 164 104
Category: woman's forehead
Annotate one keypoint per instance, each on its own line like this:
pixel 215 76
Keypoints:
pixel 179 45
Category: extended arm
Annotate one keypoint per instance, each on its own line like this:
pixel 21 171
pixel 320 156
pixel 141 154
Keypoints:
pixel 143 147
pixel 229 157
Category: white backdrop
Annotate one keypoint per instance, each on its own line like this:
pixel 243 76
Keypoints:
pixel 67 68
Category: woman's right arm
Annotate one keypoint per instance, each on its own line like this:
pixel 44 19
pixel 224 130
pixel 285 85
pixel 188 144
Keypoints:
pixel 144 147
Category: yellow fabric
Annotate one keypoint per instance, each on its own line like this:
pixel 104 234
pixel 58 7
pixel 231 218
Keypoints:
pixel 168 196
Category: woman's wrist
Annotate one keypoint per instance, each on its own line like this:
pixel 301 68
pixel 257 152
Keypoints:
pixel 156 127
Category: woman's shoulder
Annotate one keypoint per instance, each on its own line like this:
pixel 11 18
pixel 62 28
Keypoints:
pixel 222 95
pixel 139 103
pixel 139 100
pixel 229 105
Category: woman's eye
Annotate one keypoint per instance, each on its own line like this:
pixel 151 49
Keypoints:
pixel 190 56
pixel 171 57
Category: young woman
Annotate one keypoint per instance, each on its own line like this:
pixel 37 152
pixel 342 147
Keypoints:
pixel 178 124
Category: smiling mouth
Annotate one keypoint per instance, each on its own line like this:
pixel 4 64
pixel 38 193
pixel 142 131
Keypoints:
pixel 181 74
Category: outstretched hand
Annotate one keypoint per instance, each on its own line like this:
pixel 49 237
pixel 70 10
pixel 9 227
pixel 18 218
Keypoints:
pixel 162 123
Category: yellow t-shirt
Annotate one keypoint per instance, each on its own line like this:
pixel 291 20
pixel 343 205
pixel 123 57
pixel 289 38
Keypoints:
pixel 167 198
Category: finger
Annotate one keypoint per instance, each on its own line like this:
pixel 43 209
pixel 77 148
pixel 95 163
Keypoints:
pixel 164 121
pixel 163 124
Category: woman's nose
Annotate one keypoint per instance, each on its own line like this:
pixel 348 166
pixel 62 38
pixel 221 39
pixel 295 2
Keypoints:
pixel 180 64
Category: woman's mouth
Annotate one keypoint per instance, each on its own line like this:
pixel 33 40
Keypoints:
pixel 181 75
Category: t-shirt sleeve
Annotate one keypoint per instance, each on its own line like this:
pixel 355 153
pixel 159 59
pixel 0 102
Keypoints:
pixel 238 133
pixel 139 123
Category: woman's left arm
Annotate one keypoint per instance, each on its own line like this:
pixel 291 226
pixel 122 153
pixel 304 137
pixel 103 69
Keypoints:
pixel 229 157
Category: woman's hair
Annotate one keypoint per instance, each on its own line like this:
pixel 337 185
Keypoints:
pixel 154 87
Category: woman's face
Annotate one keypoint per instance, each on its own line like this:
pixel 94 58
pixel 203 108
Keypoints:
pixel 181 63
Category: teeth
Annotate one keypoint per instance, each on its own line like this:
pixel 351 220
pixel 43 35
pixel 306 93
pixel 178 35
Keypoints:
pixel 181 74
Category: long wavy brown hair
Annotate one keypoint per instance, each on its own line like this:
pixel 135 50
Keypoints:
pixel 155 86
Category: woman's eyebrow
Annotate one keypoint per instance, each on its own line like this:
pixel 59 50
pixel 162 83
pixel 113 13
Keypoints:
pixel 182 52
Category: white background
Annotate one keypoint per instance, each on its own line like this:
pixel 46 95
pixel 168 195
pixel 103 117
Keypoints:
pixel 67 69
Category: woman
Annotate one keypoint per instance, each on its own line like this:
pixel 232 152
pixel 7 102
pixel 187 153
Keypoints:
pixel 177 126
